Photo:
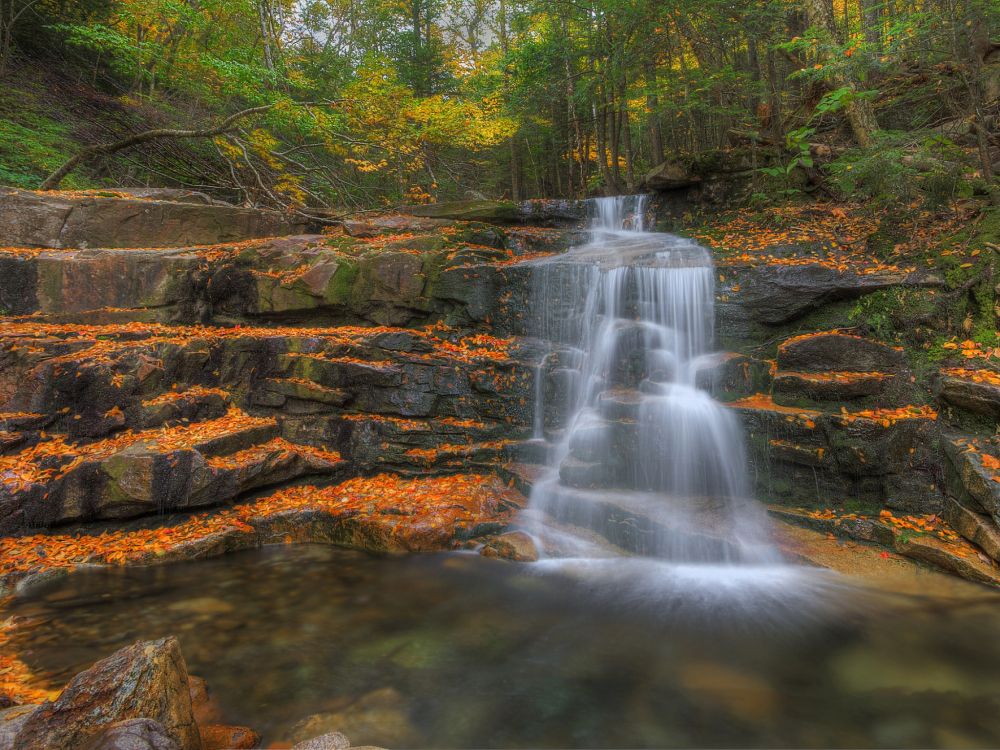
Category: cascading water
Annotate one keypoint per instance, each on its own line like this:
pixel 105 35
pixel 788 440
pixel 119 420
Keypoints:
pixel 643 459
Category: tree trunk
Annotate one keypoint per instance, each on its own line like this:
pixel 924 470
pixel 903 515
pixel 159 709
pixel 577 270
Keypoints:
pixel 627 136
pixel 860 113
pixel 653 109
pixel 90 153
pixel 871 20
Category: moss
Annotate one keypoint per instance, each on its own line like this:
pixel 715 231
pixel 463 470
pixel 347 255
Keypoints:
pixel 860 506
pixel 341 285
pixel 32 148
pixel 344 244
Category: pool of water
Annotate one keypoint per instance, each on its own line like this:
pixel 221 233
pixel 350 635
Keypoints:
pixel 454 650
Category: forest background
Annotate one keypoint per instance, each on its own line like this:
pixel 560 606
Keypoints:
pixel 357 104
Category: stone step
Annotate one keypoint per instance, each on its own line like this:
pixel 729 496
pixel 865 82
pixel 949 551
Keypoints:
pixel 975 391
pixel 826 389
pixel 837 351
pixel 978 527
pixel 116 219
pixel 193 404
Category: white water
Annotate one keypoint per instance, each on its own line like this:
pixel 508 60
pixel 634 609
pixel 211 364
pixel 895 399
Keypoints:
pixel 643 460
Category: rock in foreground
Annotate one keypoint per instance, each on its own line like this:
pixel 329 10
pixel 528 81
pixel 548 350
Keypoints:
pixel 147 680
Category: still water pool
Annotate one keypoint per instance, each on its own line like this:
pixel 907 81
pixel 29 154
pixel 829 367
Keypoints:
pixel 454 650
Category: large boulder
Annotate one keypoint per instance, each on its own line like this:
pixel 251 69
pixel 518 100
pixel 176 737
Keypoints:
pixel 669 175
pixel 81 220
pixel 148 680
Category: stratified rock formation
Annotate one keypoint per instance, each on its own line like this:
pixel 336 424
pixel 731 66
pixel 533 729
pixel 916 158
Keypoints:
pixel 154 363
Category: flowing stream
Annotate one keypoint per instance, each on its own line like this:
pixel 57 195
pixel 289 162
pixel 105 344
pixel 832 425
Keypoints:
pixel 644 460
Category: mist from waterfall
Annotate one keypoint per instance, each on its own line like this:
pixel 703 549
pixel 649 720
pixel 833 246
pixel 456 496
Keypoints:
pixel 642 460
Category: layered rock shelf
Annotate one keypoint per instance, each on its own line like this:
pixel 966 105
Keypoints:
pixel 193 371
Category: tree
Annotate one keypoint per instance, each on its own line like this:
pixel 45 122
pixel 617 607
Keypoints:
pixel 90 153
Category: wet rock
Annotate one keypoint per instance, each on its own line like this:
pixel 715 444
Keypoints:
pixel 514 545
pixel 146 680
pixel 977 527
pixel 224 737
pixel 730 375
pixel 61 220
pixel 136 734
pixel 328 741
pixel 204 706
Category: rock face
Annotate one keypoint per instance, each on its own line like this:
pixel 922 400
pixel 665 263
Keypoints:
pixel 161 380
pixel 777 293
pixel 325 402
pixel 304 279
pixel 97 219
pixel 147 680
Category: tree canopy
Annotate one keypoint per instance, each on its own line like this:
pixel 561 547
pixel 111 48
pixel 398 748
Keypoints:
pixel 384 99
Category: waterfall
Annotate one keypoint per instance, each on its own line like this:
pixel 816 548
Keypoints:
pixel 643 461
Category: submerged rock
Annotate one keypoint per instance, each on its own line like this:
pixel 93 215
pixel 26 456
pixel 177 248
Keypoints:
pixel 514 545
pixel 328 741
pixel 380 716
